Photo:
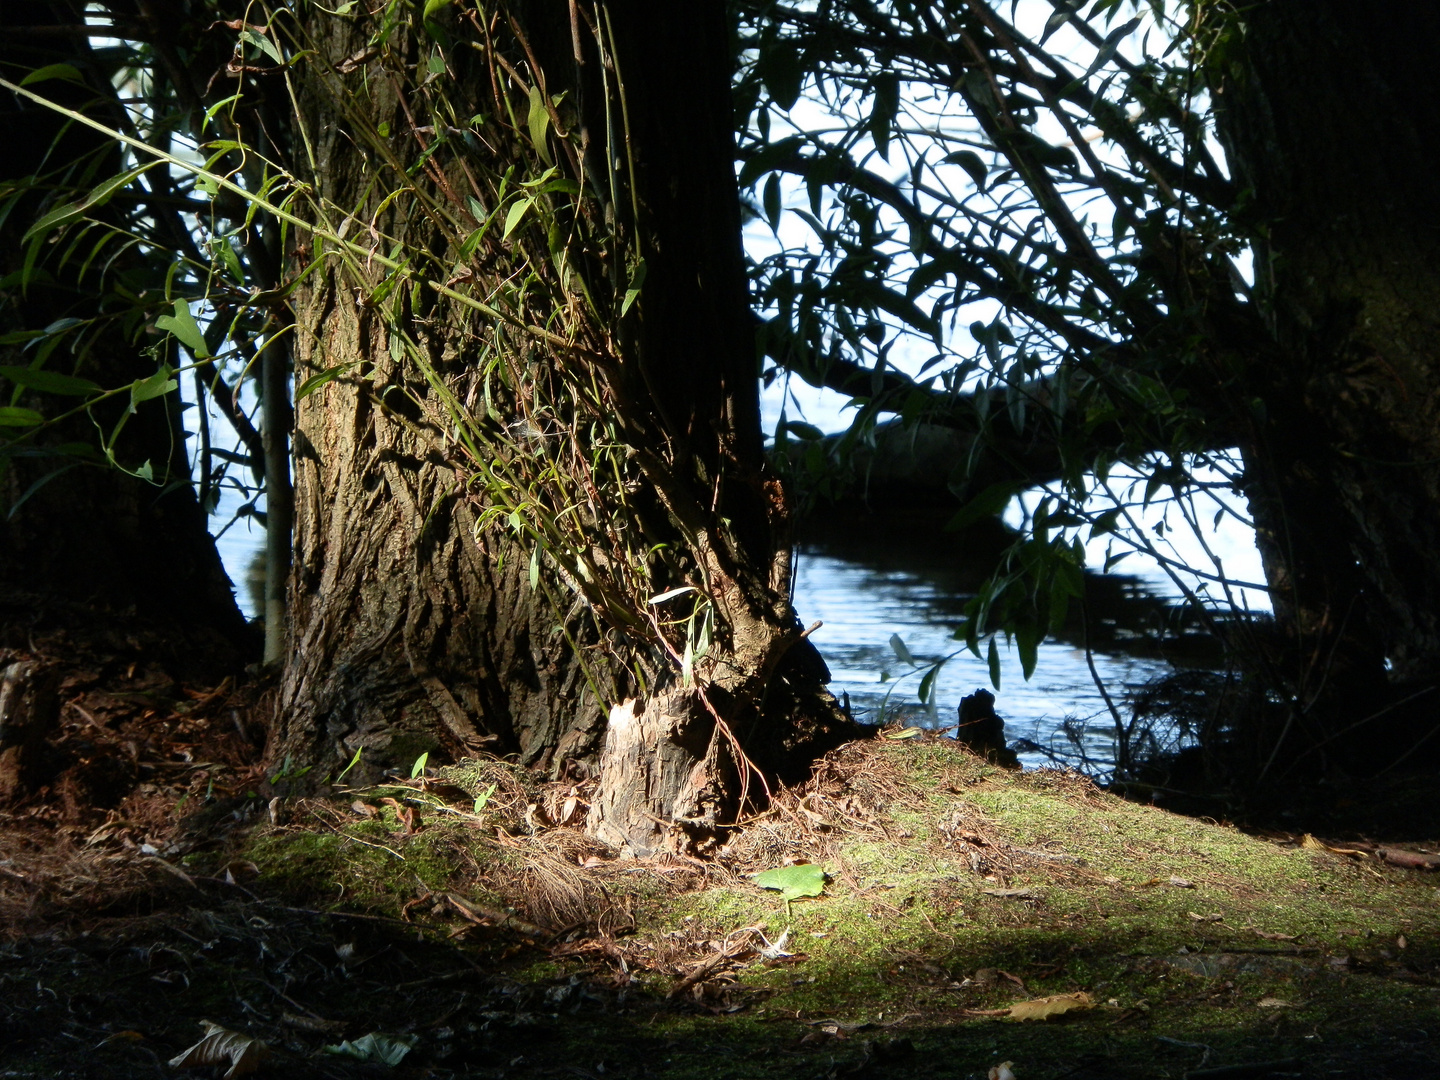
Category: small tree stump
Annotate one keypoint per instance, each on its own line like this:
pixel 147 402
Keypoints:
pixel 665 777
pixel 29 710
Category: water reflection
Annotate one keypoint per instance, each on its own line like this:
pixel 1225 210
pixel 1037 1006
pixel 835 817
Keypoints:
pixel 862 606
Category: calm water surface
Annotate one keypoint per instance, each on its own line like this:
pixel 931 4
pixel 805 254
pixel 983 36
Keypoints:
pixel 862 606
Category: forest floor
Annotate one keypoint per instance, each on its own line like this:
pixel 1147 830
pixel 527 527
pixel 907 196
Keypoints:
pixel 970 922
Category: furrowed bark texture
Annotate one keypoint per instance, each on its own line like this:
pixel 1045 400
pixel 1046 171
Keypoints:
pixel 410 628
pixel 1333 123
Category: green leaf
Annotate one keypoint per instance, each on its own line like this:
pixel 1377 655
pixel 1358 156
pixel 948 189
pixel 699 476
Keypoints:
pixel 883 110
pixel 897 645
pixel 483 798
pixel 14 416
pixel 418 769
pixel 183 325
pixel 49 382
pixel 1105 523
pixel 793 882
pixel 353 762
pixel 993 660
pixel 771 199
pixel 315 382
pixel 516 213
pixel 988 503
pixel 637 282
pixel 1027 640
pixel 68 72
pixel 61 215
pixel 782 68
pixel 971 162
pixel 263 43
pixel 157 385
pixel 927 685
pixel 539 122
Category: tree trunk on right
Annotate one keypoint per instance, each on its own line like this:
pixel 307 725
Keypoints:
pixel 1331 118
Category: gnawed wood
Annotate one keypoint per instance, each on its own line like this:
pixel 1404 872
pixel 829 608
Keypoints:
pixel 666 782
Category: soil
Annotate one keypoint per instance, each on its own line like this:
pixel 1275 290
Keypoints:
pixel 156 883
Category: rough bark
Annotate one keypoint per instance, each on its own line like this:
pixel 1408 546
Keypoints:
pixel 1332 122
pixel 412 627
pixel 29 711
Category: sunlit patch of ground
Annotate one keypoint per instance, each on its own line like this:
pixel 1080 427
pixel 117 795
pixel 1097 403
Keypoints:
pixel 470 914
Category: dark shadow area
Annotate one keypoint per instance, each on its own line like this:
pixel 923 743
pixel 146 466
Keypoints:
pixel 119 998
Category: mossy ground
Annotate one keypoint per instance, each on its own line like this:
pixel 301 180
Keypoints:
pixel 955 889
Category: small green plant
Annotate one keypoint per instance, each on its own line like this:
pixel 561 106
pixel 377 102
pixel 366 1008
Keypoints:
pixel 483 799
pixel 353 762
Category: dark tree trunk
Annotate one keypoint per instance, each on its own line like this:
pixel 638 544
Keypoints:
pixel 88 544
pixel 420 617
pixel 1333 120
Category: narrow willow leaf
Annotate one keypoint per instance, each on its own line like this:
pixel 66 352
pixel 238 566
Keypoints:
pixel 263 43
pixel 62 215
pixel 637 282
pixel 513 218
pixel 49 382
pixel 69 72
pixel 13 416
pixel 993 660
pixel 315 382
pixel 539 123
pixel 897 644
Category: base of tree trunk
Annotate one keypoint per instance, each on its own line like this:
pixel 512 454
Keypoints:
pixel 29 711
pixel 666 777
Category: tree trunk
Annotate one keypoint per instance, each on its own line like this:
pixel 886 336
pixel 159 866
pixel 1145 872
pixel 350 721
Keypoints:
pixel 1332 122
pixel 488 499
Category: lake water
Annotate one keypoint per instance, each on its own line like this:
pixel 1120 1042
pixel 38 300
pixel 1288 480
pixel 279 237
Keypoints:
pixel 862 606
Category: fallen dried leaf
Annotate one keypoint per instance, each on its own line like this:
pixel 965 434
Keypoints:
pixel 1311 844
pixel 243 1053
pixel 1013 894
pixel 1268 936
pixel 1054 1005
pixel 1217 917
pixel 1273 1003
pixel 1180 883
pixel 1001 1071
